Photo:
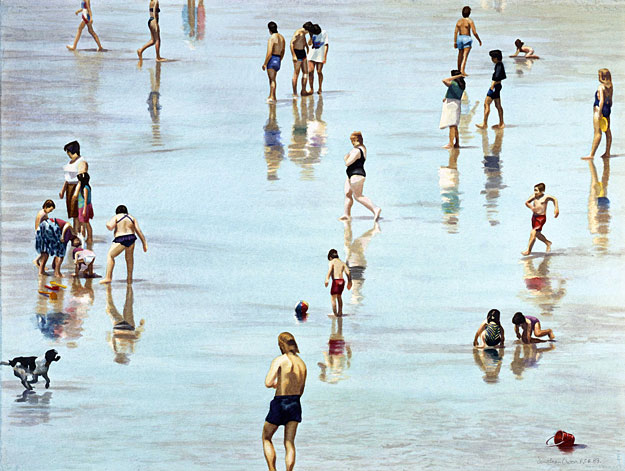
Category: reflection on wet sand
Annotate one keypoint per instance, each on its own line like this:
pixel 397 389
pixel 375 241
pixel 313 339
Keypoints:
pixel 449 181
pixel 154 106
pixel 338 357
pixel 194 20
pixel 497 5
pixel 125 333
pixel 599 206
pixel 489 361
pixel 274 150
pixel 532 353
pixel 355 257
pixel 539 285
pixel 464 127
pixel 88 69
pixel 34 409
pixel 58 320
pixel 523 65
pixel 492 170
pixel 308 136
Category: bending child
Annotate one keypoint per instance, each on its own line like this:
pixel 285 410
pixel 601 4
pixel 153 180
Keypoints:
pixel 336 269
pixel 490 332
pixel 83 259
pixel 538 205
pixel 520 47
pixel 530 325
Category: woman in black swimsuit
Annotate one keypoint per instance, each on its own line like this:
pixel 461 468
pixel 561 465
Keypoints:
pixel 355 163
pixel 155 32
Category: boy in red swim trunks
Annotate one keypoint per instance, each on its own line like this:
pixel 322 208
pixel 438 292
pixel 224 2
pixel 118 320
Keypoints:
pixel 336 270
pixel 538 204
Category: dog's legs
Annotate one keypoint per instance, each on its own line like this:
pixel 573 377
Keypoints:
pixel 45 376
pixel 34 380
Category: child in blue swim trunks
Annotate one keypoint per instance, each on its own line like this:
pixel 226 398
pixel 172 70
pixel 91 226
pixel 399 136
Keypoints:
pixel 273 58
pixel 462 38
pixel 494 91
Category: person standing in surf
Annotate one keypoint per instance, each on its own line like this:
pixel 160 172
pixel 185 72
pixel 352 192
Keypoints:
pixel 86 20
pixel 155 32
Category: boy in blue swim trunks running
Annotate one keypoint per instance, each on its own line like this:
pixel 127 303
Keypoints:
pixel 287 375
pixel 273 58
pixel 494 91
pixel 462 38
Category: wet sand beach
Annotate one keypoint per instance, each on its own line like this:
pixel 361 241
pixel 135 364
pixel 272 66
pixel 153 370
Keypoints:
pixel 239 203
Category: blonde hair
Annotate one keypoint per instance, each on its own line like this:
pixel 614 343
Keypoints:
pixel 605 77
pixel 287 343
pixel 357 135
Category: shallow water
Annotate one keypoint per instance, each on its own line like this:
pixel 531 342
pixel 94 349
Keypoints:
pixel 239 199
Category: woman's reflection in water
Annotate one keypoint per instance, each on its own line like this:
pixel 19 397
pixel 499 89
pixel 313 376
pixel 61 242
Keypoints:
pixel 489 360
pixel 154 106
pixel 355 257
pixel 540 290
pixel 531 354
pixel 449 181
pixel 338 357
pixel 316 133
pixel 464 127
pixel 274 150
pixel 492 170
pixel 599 205
pixel 125 333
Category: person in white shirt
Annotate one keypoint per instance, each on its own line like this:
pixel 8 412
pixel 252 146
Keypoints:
pixel 75 166
pixel 317 55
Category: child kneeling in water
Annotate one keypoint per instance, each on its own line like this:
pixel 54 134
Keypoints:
pixel 530 325
pixel 83 259
pixel 490 331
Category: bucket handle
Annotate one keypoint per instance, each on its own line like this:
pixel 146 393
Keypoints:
pixel 554 443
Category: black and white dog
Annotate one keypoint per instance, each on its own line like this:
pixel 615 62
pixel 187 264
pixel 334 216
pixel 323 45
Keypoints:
pixel 24 366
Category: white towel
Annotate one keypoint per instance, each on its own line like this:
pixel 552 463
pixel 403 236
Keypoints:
pixel 451 113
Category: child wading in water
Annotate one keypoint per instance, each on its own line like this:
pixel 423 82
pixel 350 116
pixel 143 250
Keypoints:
pixel 538 205
pixel 530 325
pixel 520 47
pixel 336 269
pixel 490 331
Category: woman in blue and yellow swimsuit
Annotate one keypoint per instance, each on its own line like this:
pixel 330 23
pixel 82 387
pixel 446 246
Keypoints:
pixel 87 20
pixel 602 108
pixel 155 32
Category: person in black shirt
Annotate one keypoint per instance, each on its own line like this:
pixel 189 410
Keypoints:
pixel 494 91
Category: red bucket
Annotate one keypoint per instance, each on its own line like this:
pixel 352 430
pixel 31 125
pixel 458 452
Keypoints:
pixel 561 438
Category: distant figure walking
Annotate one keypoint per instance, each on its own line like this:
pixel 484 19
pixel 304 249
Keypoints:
pixel 87 20
pixel 450 117
pixel 463 40
pixel 538 204
pixel 273 58
pixel 287 375
pixel 494 92
pixel 355 163
pixel 521 47
pixel 155 33
pixel 601 114
pixel 299 51
pixel 125 228
pixel 317 55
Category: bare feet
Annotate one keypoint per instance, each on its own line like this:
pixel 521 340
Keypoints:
pixel 270 100
pixel 588 157
pixel 139 54
pixel 376 214
pixel 296 96
pixel 161 59
pixel 129 281
pixel 58 275
pixel 36 261
pixel 551 336
pixel 481 126
pixel 447 146
pixel 105 281
pixel 100 49
pixel 457 146
pixel 527 252
pixel 605 156
pixel 70 48
pixel 306 93
pixel 344 218
pixel 499 126
pixel 319 92
pixel 548 248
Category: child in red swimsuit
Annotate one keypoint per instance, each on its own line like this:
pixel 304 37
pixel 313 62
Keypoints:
pixel 336 269
pixel 538 204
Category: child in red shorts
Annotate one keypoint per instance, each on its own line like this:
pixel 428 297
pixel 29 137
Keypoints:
pixel 336 269
pixel 538 204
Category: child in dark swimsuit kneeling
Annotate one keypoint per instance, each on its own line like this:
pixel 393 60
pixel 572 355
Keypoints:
pixel 530 325
pixel 125 227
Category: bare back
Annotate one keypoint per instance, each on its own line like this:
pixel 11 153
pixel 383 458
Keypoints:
pixel 291 375
pixel 125 224
pixel 299 39
pixel 464 26
pixel 337 267
pixel 276 41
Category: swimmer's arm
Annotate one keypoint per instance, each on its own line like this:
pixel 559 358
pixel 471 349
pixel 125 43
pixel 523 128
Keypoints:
pixel 329 274
pixel 448 80
pixel 141 236
pixel 325 56
pixel 527 203
pixel 110 225
pixel 77 11
pixel 156 13
pixel 38 220
pixel 291 45
pixel 349 276
pixel 88 3
pixel 64 189
pixel 352 156
pixel 475 32
pixel 556 210
pixel 456 36
pixel 479 331
pixel 503 337
pixel 516 53
pixel 271 380
pixel 516 330
pixel 601 100
pixel 268 55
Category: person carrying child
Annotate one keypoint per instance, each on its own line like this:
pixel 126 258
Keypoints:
pixel 530 325
pixel 538 204
pixel 490 332
pixel 336 269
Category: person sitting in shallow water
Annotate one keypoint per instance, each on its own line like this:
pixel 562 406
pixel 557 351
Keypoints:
pixel 521 47
pixel 490 332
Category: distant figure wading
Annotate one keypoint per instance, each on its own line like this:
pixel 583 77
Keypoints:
pixel 273 58
pixel 602 109
pixel 86 20
pixel 462 38
pixel 155 32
